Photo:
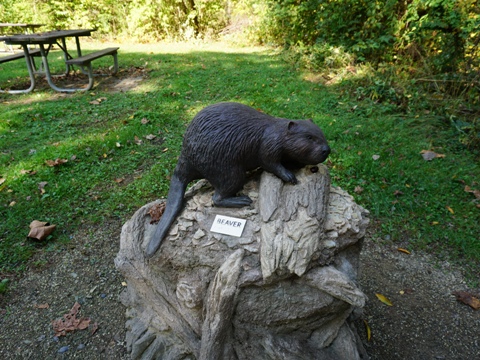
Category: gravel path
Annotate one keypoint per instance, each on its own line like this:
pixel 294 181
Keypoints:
pixel 425 321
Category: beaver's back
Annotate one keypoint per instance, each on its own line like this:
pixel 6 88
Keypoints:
pixel 226 133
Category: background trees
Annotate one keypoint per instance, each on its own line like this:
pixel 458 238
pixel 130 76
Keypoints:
pixel 444 34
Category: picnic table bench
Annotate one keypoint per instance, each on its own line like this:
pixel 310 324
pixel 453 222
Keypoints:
pixel 17 56
pixel 86 60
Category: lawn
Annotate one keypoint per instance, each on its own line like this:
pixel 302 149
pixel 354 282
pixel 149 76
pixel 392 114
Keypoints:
pixel 121 147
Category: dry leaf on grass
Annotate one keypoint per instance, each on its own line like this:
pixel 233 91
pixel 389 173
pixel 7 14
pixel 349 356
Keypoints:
pixel 98 101
pixel 41 186
pixel 70 322
pixel 56 162
pixel 40 230
pixel 473 191
pixel 429 155
pixel 137 140
pixel 27 172
pixel 358 189
pixel 467 299
pixel 156 212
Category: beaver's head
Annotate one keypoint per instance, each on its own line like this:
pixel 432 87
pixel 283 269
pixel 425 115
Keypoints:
pixel 305 143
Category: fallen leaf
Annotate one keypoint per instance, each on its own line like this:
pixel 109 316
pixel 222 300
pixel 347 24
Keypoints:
pixel 165 150
pixel 40 230
pixel 375 157
pixel 450 209
pixel 94 328
pixel 467 299
pixel 70 322
pixel 124 283
pixel 12 203
pixel 405 251
pixel 27 172
pixel 144 121
pixel 137 140
pixel 429 155
pixel 118 144
pixel 358 189
pixel 473 191
pixel 150 137
pixel 156 212
pixel 56 162
pixel 383 299
pixel 2 180
pixel 41 306
pixel 369 331
pixel 41 186
pixel 397 193
pixel 435 222
pixel 98 101
pixel 119 180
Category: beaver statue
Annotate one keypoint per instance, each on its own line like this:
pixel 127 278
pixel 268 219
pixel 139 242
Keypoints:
pixel 226 140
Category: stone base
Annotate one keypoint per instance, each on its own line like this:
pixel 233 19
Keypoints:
pixel 285 289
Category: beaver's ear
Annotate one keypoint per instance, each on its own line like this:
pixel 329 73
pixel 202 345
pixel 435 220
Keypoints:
pixel 291 125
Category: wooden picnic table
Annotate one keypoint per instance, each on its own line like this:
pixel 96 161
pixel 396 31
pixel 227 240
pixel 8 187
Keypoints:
pixel 27 27
pixel 45 41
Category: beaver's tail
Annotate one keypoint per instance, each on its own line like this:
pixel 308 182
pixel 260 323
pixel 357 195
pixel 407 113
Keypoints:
pixel 174 206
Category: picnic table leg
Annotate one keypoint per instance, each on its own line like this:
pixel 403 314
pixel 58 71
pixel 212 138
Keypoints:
pixel 79 54
pixel 31 72
pixel 49 76
pixel 65 56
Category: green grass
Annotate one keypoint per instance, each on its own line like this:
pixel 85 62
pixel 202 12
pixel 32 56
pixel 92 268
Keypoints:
pixel 109 175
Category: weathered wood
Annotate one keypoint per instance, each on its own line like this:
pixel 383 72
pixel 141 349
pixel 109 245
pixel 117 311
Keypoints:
pixel 21 55
pixel 220 304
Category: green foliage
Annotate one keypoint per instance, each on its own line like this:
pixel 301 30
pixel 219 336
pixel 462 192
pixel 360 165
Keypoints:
pixel 145 20
pixel 443 33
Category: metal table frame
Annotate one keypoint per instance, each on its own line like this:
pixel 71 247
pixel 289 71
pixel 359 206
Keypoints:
pixel 45 41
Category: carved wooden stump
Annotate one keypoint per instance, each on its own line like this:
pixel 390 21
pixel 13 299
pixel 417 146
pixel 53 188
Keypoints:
pixel 285 289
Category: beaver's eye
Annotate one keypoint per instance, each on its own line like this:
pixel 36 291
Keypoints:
pixel 309 137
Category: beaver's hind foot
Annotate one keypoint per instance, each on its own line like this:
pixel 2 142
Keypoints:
pixel 232 202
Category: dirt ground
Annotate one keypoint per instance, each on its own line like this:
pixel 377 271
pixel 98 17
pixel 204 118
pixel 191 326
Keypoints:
pixel 425 321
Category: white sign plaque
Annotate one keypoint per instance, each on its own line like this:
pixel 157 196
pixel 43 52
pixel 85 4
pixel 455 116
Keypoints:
pixel 228 225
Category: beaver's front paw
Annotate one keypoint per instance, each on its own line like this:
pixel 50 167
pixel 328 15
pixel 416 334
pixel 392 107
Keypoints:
pixel 289 177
